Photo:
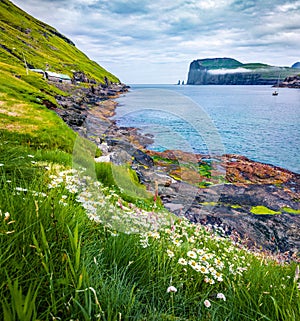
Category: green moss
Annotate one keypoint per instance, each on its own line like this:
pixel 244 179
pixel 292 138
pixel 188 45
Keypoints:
pixel 209 203
pixel 236 206
pixel 98 152
pixel 205 170
pixel 204 184
pixel 290 210
pixel 157 158
pixel 217 63
pixel 255 65
pixel 177 178
pixel 262 210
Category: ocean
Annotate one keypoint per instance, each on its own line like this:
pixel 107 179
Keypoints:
pixel 215 120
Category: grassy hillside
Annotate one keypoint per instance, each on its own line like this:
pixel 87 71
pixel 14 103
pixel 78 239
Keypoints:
pixel 22 36
pixel 218 63
pixel 24 94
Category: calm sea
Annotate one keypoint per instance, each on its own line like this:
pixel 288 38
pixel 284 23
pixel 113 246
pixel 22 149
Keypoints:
pixel 244 120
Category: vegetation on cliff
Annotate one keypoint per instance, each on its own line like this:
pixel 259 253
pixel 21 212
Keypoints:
pixel 74 246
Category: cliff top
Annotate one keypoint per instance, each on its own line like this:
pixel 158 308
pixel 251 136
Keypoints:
pixel 230 63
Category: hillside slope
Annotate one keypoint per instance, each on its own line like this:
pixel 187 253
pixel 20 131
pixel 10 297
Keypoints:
pixel 228 71
pixel 24 94
pixel 24 37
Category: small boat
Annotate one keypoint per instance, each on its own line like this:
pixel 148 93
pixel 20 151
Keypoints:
pixel 275 93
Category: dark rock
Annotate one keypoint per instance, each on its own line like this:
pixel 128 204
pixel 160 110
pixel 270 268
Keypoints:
pixel 120 157
pixel 107 82
pixel 291 82
pixel 142 158
pixel 49 104
pixel 80 76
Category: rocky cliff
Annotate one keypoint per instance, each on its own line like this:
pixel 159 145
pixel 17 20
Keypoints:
pixel 228 71
pixel 291 82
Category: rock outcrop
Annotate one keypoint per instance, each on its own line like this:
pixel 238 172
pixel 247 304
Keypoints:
pixel 258 203
pixel 291 82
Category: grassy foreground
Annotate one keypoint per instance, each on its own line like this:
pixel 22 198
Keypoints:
pixel 80 241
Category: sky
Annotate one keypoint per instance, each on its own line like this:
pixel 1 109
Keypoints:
pixel 154 41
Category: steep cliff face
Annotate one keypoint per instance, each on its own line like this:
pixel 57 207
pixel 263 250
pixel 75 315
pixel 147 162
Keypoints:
pixel 203 77
pixel 228 71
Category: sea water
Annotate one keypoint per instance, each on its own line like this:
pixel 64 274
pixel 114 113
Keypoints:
pixel 245 120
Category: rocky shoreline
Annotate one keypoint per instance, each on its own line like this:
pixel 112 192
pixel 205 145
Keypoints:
pixel 249 201
pixel 291 82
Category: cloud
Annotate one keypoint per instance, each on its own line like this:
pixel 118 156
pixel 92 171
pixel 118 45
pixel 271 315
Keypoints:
pixel 124 7
pixel 224 71
pixel 288 7
pixel 151 36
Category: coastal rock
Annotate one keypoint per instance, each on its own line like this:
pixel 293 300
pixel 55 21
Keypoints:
pixel 80 76
pixel 229 207
pixel 142 158
pixel 120 157
pixel 253 187
pixel 240 169
pixel 76 108
pixel 291 82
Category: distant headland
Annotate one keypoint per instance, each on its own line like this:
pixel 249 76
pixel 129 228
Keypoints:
pixel 229 71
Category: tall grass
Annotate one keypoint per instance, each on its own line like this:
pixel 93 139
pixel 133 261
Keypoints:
pixel 62 260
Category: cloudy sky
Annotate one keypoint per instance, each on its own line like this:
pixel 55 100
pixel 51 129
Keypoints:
pixel 154 41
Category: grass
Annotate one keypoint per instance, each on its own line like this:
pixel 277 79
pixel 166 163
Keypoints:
pixel 63 258
pixel 41 45
pixel 125 179
pixel 85 241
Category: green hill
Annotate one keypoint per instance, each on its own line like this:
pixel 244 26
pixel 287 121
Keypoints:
pixel 218 63
pixel 24 94
pixel 24 37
